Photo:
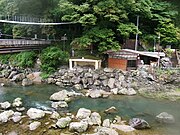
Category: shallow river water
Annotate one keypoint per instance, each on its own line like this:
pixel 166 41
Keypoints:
pixel 127 106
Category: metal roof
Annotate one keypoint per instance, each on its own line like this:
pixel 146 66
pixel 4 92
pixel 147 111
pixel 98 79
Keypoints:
pixel 127 53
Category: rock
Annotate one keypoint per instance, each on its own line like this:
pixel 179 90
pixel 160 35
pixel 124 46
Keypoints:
pixel 18 77
pixel 59 84
pixel 95 118
pixel 11 133
pixel 78 86
pixel 5 105
pixel 122 128
pixel 13 73
pixel 121 78
pixel 164 117
pixel 50 80
pixel 106 123
pixel 108 70
pixel 55 115
pixel 63 122
pixel 34 113
pixel 117 120
pixel 104 93
pixel 2 84
pixel 112 109
pixel 61 104
pixel 106 131
pixel 97 82
pixel 75 80
pixel 111 82
pixel 78 126
pixel 4 116
pixel 34 125
pixel 35 77
pixel 138 123
pixel 94 93
pixel 127 91
pixel 105 83
pixel 16 118
pixel 59 96
pixel 26 82
pixel 114 91
pixel 17 102
pixel 20 109
pixel 83 113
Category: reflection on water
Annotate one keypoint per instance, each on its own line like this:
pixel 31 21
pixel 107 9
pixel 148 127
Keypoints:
pixel 127 107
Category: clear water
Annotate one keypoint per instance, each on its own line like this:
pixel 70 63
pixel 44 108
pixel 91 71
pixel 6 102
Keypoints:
pixel 127 106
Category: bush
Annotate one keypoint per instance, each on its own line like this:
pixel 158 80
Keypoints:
pixel 4 58
pixel 52 58
pixel 25 59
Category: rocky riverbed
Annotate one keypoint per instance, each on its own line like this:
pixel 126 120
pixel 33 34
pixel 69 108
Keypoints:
pixel 90 83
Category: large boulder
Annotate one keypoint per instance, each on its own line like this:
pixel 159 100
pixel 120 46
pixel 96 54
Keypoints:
pixel 106 131
pixel 111 82
pixel 122 128
pixel 63 122
pixel 138 123
pixel 95 118
pixel 26 82
pixel 34 113
pixel 13 73
pixel 164 117
pixel 5 105
pixel 83 113
pixel 17 117
pixel 94 93
pixel 18 77
pixel 59 96
pixel 35 77
pixel 78 126
pixel 127 91
pixel 4 116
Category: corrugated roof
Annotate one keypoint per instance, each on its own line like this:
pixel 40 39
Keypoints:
pixel 126 53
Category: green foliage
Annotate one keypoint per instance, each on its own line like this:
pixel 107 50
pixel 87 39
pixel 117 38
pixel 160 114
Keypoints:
pixel 168 32
pixel 169 52
pixel 52 58
pixel 4 58
pixel 127 29
pixel 25 59
pixel 102 38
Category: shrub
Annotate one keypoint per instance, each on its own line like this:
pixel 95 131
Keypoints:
pixel 25 59
pixel 52 58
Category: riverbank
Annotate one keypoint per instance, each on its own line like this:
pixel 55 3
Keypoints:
pixel 94 84
pixel 102 82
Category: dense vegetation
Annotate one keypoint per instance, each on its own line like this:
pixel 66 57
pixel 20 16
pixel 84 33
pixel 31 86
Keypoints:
pixel 103 25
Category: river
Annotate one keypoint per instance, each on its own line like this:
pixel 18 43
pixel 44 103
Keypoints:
pixel 127 106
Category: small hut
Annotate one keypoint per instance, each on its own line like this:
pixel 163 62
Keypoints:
pixel 127 59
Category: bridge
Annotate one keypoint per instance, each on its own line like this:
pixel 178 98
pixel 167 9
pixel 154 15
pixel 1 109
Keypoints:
pixel 19 45
pixel 28 20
